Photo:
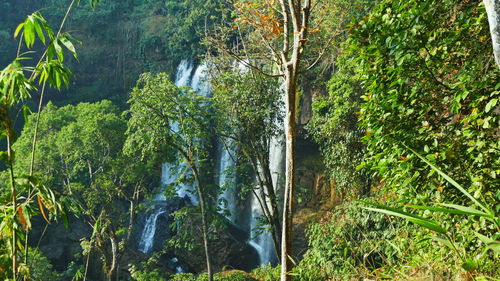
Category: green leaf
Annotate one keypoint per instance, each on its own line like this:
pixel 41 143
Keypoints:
pixel 58 49
pixel 96 226
pixel 58 79
pixel 490 243
pixel 470 265
pixel 29 33
pixel 491 104
pixel 26 112
pixel 39 31
pixel 444 241
pixel 18 29
pixel 469 210
pixel 65 220
pixel 427 223
pixel 451 181
pixel 67 43
pixel 457 210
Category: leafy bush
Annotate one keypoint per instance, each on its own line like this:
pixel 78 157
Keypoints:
pixel 334 126
pixel 221 276
pixel 347 241
pixel 40 268
pixel 430 81
pixel 471 261
pixel 267 273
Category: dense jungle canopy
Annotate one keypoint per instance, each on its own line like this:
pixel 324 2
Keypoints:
pixel 303 140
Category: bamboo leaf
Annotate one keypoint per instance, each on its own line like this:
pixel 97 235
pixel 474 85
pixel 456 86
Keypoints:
pixel 469 210
pixel 69 45
pixel 40 204
pixel 457 210
pixel 429 224
pixel 29 33
pixel 39 32
pixel 58 50
pixel 18 29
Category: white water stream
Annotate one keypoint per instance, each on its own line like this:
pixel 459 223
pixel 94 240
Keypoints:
pixel 226 157
pixel 170 172
pixel 227 179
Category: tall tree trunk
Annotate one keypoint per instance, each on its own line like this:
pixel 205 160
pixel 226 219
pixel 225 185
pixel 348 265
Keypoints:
pixel 290 133
pixel 297 13
pixel 204 221
pixel 493 11
pixel 114 256
pixel 14 202
pixel 130 221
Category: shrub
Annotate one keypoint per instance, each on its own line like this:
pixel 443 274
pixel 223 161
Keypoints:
pixel 350 240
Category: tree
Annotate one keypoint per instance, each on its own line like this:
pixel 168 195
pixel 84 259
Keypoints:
pixel 279 32
pixel 493 11
pixel 162 118
pixel 247 107
pixel 81 158
pixel 15 88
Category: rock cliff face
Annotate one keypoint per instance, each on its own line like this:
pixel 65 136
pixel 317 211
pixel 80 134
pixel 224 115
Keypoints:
pixel 59 244
pixel 228 247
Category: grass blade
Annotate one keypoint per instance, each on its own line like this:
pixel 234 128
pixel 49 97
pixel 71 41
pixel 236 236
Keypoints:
pixel 451 181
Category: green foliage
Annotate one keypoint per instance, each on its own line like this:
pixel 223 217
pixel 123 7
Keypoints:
pixel 162 118
pixel 267 273
pixel 83 145
pixel 16 84
pixel 334 126
pixel 248 113
pixel 139 275
pixel 176 28
pixel 168 121
pixel 248 106
pixel 222 276
pixel 348 242
pixel 430 83
pixel 40 268
pixel 73 139
pixel 80 157
pixel 484 212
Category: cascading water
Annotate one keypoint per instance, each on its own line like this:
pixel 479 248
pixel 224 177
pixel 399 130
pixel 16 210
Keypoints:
pixel 182 79
pixel 227 178
pixel 183 75
pixel 148 235
pixel 160 204
pixel 226 157
pixel 170 172
pixel 198 82
pixel 263 242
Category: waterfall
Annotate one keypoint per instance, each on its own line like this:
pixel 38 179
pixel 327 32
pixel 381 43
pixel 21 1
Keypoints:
pixel 183 75
pixel 227 179
pixel 186 75
pixel 263 241
pixel 160 203
pixel 170 172
pixel 198 84
pixel 148 234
